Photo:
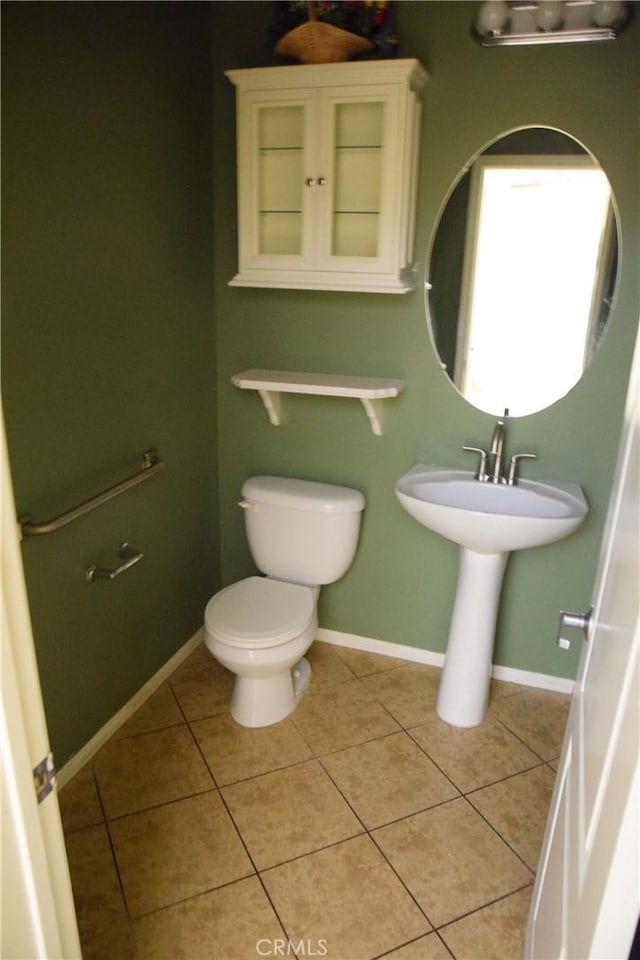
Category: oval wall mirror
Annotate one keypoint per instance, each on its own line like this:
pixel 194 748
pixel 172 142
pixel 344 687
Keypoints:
pixel 522 271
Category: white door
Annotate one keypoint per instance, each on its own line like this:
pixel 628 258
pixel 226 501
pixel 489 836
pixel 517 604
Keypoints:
pixel 38 919
pixel 586 898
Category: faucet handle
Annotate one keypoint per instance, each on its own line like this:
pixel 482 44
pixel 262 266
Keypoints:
pixel 512 478
pixel 481 473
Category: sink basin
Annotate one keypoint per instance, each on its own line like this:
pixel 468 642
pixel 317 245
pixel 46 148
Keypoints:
pixel 488 517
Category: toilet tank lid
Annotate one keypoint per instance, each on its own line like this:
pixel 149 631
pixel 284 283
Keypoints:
pixel 303 494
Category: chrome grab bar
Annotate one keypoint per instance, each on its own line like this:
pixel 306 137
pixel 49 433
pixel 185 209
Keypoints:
pixel 151 464
pixel 127 553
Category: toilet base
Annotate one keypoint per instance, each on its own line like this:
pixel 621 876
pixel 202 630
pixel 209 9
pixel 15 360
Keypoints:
pixel 301 672
pixel 261 701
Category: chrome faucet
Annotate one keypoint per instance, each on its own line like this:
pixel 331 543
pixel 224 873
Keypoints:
pixel 495 473
pixel 497 451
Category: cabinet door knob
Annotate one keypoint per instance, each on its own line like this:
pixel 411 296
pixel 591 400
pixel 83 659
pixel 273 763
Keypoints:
pixel 311 181
pixel 322 181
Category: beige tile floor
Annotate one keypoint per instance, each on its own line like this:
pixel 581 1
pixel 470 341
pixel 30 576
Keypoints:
pixel 360 827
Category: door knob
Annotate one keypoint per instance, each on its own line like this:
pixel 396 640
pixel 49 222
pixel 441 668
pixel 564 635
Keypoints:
pixel 579 621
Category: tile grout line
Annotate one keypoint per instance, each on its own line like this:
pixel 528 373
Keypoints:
pixel 256 872
pixel 461 795
pixel 367 830
pixel 318 757
pixel 217 789
pixel 407 943
pixel 491 903
pixel 518 737
pixel 504 839
pixel 116 866
pixel 465 795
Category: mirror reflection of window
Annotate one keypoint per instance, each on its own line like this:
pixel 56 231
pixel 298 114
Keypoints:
pixel 538 231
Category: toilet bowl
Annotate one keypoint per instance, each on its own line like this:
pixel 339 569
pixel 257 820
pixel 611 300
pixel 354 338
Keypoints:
pixel 302 534
pixel 260 629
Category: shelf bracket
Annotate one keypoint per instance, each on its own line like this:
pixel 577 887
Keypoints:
pixel 271 401
pixel 373 410
pixel 273 405
pixel 271 384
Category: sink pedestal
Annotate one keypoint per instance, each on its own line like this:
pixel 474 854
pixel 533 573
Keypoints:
pixel 488 521
pixel 464 686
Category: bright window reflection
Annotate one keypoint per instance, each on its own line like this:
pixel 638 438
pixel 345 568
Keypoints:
pixel 542 227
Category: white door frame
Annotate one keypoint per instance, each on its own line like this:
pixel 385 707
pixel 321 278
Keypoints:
pixel 38 917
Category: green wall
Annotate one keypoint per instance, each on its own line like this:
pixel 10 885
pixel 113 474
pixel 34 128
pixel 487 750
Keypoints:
pixel 110 296
pixel 108 335
pixel 402 583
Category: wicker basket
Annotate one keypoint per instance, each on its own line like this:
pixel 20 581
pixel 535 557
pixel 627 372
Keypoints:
pixel 318 42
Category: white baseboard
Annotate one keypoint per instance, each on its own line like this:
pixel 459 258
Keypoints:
pixel 368 644
pixel 86 752
pixel 417 655
pixel 527 678
pixel 383 647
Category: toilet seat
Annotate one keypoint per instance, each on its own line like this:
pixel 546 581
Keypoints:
pixel 258 612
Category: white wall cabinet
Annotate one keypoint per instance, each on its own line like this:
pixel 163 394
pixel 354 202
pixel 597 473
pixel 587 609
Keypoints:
pixel 327 163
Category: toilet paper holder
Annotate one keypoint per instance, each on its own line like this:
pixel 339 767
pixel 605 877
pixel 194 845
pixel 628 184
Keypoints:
pixel 128 554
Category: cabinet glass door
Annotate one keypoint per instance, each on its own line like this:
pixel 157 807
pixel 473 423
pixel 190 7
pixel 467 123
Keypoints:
pixel 357 178
pixel 326 159
pixel 280 180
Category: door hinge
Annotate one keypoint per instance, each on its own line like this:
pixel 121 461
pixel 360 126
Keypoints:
pixel 44 777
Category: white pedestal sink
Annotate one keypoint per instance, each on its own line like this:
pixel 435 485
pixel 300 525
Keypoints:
pixel 487 520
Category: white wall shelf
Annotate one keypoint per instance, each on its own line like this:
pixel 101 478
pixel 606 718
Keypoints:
pixel 371 391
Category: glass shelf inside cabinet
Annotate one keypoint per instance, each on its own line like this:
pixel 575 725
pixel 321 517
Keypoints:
pixel 373 147
pixel 357 178
pixel 280 166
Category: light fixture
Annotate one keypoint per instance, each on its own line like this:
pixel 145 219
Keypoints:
pixel 549 21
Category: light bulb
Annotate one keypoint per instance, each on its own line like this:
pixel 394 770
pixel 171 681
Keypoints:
pixel 607 13
pixel 548 16
pixel 492 17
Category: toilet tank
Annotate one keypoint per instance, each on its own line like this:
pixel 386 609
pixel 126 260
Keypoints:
pixel 300 530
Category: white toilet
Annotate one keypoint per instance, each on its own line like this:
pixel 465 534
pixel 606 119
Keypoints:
pixel 301 534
